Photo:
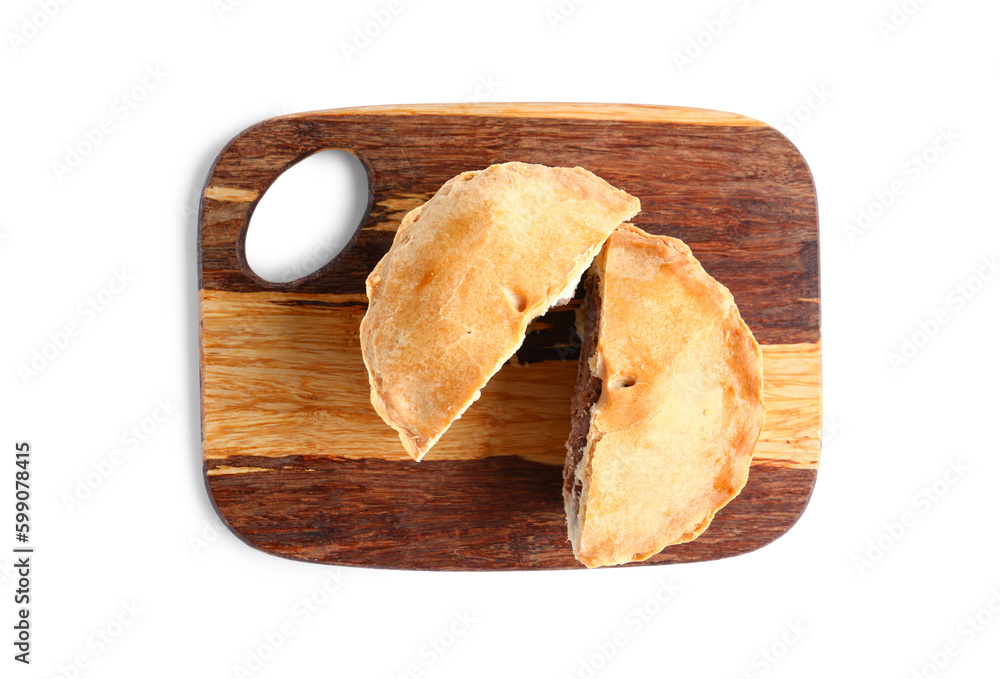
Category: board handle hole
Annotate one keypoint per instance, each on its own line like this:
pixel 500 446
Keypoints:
pixel 307 216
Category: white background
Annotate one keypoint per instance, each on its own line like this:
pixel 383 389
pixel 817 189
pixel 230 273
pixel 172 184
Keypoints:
pixel 147 537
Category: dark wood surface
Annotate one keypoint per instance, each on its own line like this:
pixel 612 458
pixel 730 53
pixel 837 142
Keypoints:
pixel 497 513
pixel 736 191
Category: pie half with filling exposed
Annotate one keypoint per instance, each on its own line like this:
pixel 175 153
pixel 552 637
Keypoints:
pixel 668 405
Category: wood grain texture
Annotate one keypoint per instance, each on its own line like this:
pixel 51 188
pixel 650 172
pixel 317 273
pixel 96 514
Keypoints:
pixel 298 463
pixel 562 111
pixel 497 513
pixel 740 195
pixel 283 376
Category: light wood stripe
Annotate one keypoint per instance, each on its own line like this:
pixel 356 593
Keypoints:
pixel 226 470
pixel 579 111
pixel 396 208
pixel 231 195
pixel 793 431
pixel 282 375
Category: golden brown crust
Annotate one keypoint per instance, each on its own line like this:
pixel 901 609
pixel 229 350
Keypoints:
pixel 467 271
pixel 672 435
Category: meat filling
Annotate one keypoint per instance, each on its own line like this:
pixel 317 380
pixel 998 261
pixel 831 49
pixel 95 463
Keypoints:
pixel 587 392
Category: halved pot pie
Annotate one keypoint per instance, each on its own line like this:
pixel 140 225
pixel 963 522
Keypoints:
pixel 668 405
pixel 467 272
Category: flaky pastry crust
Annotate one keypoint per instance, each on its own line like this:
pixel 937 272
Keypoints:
pixel 672 434
pixel 467 271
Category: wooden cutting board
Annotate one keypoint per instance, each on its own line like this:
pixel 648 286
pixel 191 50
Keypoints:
pixel 298 463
